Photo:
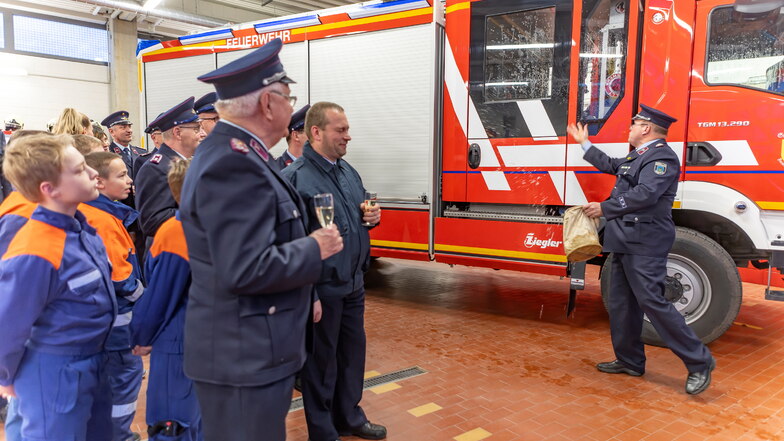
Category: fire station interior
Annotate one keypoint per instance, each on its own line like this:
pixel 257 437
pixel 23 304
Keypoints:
pixel 477 324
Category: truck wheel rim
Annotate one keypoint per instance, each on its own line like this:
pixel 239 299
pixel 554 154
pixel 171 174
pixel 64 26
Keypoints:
pixel 696 287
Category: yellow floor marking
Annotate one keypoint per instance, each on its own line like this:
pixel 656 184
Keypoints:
pixel 371 374
pixel 473 435
pixel 748 326
pixel 385 388
pixel 424 410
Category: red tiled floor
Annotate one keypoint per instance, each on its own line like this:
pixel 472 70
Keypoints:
pixel 501 355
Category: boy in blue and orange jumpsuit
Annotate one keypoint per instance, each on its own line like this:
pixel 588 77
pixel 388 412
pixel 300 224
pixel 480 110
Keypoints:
pixel 172 407
pixel 58 303
pixel 111 219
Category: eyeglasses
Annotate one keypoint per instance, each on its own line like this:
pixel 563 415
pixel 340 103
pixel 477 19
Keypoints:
pixel 292 99
pixel 196 128
pixel 214 118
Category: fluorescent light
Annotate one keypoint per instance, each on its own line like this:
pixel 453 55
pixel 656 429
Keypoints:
pixel 151 4
pixel 502 47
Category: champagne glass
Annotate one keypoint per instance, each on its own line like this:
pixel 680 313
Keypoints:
pixel 370 201
pixel 325 208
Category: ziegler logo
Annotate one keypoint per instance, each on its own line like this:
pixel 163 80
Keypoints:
pixel 531 241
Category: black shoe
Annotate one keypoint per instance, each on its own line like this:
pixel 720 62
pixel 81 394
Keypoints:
pixel 369 431
pixel 697 382
pixel 616 367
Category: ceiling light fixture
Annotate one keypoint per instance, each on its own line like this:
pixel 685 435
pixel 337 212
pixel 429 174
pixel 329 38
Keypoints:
pixel 151 4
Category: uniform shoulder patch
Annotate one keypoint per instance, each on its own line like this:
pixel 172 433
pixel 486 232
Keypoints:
pixel 156 158
pixel 642 150
pixel 259 149
pixel 660 168
pixel 239 145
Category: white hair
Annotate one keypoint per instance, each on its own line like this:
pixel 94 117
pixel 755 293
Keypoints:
pixel 243 106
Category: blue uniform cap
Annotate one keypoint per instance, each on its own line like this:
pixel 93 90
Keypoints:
pixel 654 116
pixel 153 125
pixel 298 119
pixel 258 69
pixel 118 117
pixel 180 114
pixel 205 103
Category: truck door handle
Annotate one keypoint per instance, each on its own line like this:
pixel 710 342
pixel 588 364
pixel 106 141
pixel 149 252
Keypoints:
pixel 702 154
pixel 474 155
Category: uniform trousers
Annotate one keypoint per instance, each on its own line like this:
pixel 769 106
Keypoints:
pixel 333 376
pixel 125 372
pixel 637 288
pixel 63 397
pixel 231 413
pixel 13 421
pixel 171 396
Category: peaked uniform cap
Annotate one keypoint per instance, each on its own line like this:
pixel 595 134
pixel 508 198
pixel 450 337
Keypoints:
pixel 153 125
pixel 180 114
pixel 298 118
pixel 205 103
pixel 258 69
pixel 118 117
pixel 654 116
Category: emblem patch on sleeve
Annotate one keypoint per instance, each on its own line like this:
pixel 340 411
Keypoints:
pixel 659 168
pixel 239 146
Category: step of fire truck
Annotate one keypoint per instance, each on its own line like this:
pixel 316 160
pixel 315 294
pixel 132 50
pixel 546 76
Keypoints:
pixel 776 260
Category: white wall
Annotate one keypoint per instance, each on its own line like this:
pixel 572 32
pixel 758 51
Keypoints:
pixel 50 86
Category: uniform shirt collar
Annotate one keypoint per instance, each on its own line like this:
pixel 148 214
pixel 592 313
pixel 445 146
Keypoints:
pixel 309 152
pixel 223 121
pixel 63 221
pixel 119 210
pixel 648 144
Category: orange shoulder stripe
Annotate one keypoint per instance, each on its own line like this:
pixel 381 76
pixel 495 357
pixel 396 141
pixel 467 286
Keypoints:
pixel 40 239
pixel 115 238
pixel 170 238
pixel 16 204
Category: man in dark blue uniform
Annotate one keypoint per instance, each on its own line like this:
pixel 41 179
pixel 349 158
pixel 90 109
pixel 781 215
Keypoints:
pixel 208 116
pixel 333 376
pixel 180 139
pixel 156 136
pixel 252 261
pixel 295 139
pixel 120 128
pixel 640 232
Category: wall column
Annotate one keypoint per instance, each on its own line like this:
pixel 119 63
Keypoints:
pixel 124 82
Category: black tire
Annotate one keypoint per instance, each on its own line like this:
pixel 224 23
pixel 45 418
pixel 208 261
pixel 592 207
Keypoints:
pixel 711 283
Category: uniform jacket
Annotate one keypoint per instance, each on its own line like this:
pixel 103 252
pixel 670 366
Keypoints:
pixel 111 220
pixel 141 159
pixel 252 264
pixel 284 160
pixel 344 272
pixel 159 317
pixel 639 209
pixel 129 161
pixel 15 211
pixel 57 290
pixel 154 199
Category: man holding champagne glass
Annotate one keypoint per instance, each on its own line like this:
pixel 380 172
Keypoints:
pixel 333 375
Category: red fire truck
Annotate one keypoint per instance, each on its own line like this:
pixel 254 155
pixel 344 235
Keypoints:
pixel 459 110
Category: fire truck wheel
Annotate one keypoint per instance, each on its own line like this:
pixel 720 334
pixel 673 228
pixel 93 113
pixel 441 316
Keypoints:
pixel 702 282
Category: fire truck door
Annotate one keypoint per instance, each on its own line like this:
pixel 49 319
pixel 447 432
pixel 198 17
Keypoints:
pixel 735 134
pixel 518 101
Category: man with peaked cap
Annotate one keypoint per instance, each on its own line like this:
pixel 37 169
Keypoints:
pixel 253 264
pixel 180 139
pixel 208 117
pixel 640 232
pixel 120 128
pixel 295 139
pixel 156 136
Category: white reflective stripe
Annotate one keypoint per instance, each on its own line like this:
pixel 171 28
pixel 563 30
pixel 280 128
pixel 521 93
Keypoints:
pixel 537 120
pixel 137 292
pixel 123 319
pixel 495 180
pixel 574 191
pixel 121 410
pixel 489 158
pixel 476 129
pixel 548 155
pixel 574 154
pixel 455 86
pixel 735 153
pixel 84 280
pixel 558 182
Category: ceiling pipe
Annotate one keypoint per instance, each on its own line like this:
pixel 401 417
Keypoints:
pixel 165 14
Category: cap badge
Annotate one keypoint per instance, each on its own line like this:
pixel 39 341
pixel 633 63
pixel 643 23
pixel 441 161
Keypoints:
pixel 239 146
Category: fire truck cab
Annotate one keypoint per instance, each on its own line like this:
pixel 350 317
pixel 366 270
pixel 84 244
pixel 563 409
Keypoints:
pixel 458 114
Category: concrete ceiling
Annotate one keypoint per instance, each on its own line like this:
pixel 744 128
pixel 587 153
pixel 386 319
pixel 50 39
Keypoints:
pixel 172 18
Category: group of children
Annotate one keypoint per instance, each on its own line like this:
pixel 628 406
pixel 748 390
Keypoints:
pixel 75 310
